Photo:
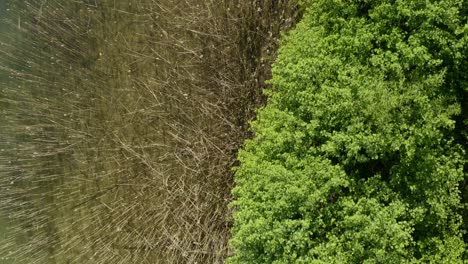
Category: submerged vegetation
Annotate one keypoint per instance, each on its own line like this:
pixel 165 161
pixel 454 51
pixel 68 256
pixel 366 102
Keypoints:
pixel 120 122
pixel 360 154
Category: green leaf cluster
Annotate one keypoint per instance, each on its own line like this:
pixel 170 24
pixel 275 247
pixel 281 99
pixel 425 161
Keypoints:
pixel 359 153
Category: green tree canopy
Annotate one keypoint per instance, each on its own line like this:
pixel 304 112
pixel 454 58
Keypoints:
pixel 359 154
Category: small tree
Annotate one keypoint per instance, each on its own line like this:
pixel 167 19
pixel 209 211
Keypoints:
pixel 355 158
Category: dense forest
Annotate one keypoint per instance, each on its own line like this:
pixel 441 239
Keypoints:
pixel 359 155
pixel 259 131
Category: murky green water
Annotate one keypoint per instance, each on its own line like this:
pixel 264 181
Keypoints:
pixel 4 224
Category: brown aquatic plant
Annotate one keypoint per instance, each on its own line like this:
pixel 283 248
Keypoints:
pixel 120 123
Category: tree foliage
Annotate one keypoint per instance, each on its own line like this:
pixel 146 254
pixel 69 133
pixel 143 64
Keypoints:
pixel 359 154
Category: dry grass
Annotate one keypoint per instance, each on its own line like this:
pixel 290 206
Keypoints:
pixel 120 125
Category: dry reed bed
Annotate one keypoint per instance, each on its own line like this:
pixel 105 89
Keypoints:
pixel 120 124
